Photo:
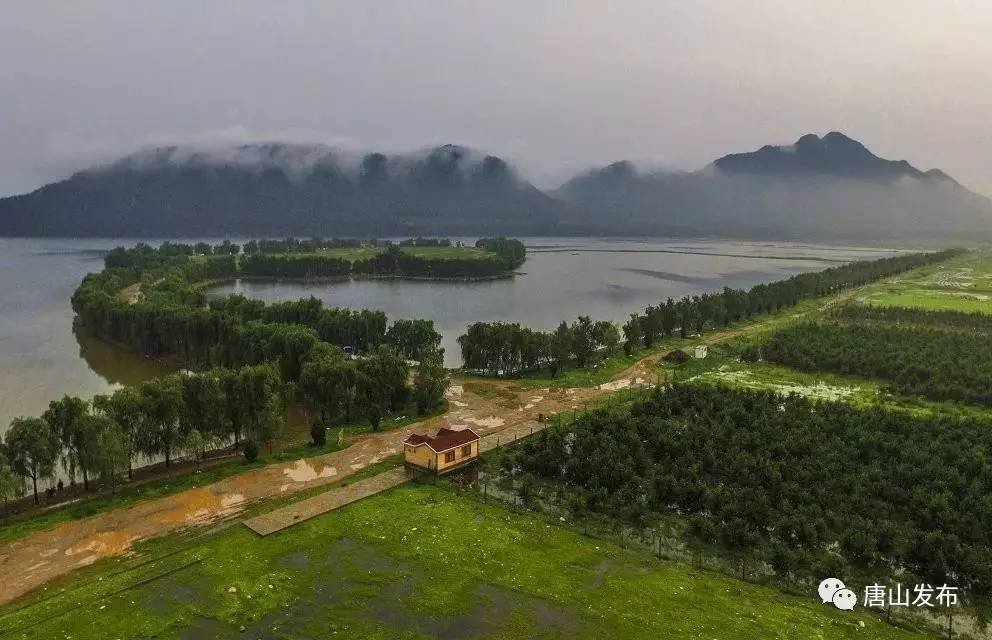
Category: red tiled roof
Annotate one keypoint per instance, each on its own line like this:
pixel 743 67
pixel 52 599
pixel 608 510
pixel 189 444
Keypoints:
pixel 444 440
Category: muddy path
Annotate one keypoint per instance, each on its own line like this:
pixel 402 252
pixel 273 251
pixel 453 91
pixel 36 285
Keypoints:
pixel 488 406
pixel 32 561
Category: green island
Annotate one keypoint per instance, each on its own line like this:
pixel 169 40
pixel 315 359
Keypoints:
pixel 837 425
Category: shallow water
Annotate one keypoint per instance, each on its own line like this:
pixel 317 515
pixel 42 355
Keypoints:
pixel 563 278
pixel 41 358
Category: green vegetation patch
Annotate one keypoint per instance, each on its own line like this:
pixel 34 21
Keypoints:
pixel 939 365
pixel 423 561
pixel 805 489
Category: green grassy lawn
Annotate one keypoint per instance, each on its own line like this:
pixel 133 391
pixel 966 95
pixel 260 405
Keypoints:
pixel 418 561
pixel 961 284
pixel 438 253
pixel 450 253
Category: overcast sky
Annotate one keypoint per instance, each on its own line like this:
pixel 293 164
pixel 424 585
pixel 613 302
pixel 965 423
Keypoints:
pixel 555 87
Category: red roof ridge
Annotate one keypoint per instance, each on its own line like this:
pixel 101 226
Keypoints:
pixel 444 440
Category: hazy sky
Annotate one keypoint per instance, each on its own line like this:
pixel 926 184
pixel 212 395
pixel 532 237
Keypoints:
pixel 555 87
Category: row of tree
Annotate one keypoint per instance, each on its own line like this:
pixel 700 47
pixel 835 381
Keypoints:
pixel 173 319
pixel 938 318
pixel 508 349
pixel 501 348
pixel 393 261
pixel 298 245
pixel 710 310
pixel 338 389
pixel 181 414
pixel 510 250
pixel 810 489
pixel 940 365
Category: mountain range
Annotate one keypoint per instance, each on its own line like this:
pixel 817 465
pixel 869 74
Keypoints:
pixel 828 188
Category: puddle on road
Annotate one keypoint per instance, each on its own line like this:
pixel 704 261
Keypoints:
pixel 307 471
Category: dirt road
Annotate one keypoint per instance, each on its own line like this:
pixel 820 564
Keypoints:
pixel 39 557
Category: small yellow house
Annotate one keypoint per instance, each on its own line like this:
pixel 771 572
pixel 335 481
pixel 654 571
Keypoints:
pixel 446 451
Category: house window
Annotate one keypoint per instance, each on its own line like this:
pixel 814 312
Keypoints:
pixel 467 451
pixel 449 456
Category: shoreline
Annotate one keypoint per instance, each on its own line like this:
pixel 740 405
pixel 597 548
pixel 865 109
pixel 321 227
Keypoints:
pixel 349 278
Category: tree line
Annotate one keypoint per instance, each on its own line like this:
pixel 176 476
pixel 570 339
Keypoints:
pixel 173 319
pixel 510 250
pixel 810 489
pixel 502 348
pixel 297 245
pixel 940 365
pixel 508 349
pixel 191 414
pixel 184 414
pixel 711 310
pixel 938 318
pixel 391 262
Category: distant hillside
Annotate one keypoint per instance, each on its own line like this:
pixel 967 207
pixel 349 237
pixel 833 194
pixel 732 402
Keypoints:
pixel 818 188
pixel 829 188
pixel 281 189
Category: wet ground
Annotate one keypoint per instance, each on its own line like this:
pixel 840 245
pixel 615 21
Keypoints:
pixel 496 408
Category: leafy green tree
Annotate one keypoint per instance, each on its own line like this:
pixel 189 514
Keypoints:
pixel 412 339
pixel 33 449
pixel 195 445
pixel 373 398
pixel 203 404
pixel 321 383
pixel 110 449
pixel 11 483
pixel 163 401
pixel 67 417
pixel 387 372
pixel 233 405
pixel 583 341
pixel 125 408
pixel 561 348
pixel 633 334
pixel 430 381
pixel 606 335
pixel 263 402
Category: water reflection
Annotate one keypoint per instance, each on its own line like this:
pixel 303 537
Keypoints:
pixel 114 364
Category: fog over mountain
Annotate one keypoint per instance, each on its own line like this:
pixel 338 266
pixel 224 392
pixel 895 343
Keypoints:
pixel 286 189
pixel 829 188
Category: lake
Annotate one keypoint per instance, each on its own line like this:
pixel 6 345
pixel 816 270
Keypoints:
pixel 41 358
pixel 566 277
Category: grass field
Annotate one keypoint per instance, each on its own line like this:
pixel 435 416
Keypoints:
pixel 961 284
pixel 419 561
pixel 438 253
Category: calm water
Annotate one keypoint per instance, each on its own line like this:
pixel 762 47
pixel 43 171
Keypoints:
pixel 41 358
pixel 605 279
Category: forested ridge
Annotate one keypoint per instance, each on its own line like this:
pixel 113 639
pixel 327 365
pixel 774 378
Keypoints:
pixel 940 365
pixel 509 349
pixel 810 488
